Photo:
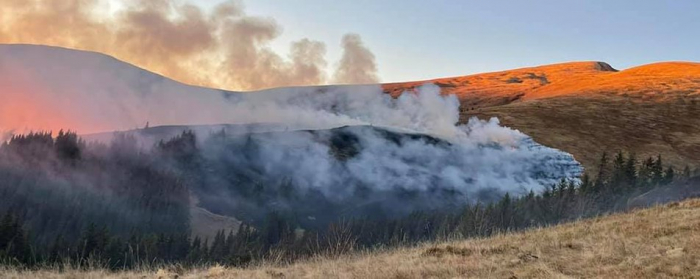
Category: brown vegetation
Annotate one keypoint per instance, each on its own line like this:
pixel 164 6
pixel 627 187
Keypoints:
pixel 586 108
pixel 652 243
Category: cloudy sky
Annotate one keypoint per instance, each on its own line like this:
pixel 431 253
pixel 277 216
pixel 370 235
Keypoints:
pixel 245 45
pixel 416 39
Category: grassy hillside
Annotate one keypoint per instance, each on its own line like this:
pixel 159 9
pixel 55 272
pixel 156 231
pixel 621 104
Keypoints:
pixel 586 108
pixel 651 243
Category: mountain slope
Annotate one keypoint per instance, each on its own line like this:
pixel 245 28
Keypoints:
pixel 583 108
pixel 50 88
pixel 586 108
pixel 499 88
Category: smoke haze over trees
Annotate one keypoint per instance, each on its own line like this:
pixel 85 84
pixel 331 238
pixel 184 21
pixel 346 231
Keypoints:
pixel 317 177
pixel 130 204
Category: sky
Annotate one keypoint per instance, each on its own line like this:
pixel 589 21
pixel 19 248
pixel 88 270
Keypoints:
pixel 415 39
pixel 257 44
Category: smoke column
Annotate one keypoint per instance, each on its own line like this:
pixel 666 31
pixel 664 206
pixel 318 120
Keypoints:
pixel 358 64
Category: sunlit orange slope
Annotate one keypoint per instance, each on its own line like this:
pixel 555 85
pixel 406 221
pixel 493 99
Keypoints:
pixel 672 79
pixel 586 108
pixel 576 78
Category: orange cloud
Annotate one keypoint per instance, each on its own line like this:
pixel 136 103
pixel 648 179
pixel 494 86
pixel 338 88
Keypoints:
pixel 222 48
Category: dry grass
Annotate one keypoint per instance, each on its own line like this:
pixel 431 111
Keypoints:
pixel 661 242
pixel 588 125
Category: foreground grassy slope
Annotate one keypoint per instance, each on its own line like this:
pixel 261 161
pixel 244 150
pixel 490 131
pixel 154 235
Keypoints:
pixel 586 108
pixel 651 243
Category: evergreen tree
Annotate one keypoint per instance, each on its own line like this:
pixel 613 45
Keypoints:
pixel 618 175
pixel 218 247
pixel 668 176
pixel 57 251
pixel 686 172
pixel 630 171
pixel 115 253
pixel 230 243
pixel 7 225
pixel 67 146
pixel 646 173
pixel 570 191
pixel 94 240
pixel 586 184
pixel 14 241
pixel 505 208
pixel 603 173
pixel 657 171
pixel 195 252
pixel 204 251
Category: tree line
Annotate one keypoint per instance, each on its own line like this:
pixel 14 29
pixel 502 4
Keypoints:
pixel 143 219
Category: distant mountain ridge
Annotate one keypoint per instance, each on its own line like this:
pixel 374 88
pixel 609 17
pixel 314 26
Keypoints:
pixel 583 108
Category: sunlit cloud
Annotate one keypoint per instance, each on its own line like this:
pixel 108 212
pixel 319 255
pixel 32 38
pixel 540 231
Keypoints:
pixel 219 47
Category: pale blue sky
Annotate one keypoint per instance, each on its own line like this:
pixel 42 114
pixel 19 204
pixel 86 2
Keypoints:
pixel 415 39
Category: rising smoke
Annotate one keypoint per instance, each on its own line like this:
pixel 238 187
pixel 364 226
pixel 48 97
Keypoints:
pixel 357 64
pixel 355 151
pixel 229 48
pixel 409 148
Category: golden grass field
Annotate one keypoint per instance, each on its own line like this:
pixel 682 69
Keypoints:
pixel 659 242
pixel 585 108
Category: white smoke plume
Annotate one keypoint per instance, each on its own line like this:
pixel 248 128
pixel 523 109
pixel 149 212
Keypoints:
pixel 90 93
pixel 358 65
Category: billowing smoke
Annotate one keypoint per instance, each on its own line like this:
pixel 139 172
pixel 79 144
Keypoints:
pixel 287 147
pixel 367 170
pixel 228 48
pixel 348 153
pixel 358 65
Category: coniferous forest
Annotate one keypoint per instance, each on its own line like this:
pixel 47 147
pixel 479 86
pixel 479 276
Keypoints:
pixel 67 201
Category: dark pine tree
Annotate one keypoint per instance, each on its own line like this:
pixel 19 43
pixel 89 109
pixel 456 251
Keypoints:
pixel 603 173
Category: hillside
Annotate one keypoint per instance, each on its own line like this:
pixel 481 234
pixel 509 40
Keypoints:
pixel 656 242
pixel 586 108
pixel 582 108
pixel 50 88
pixel 650 243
